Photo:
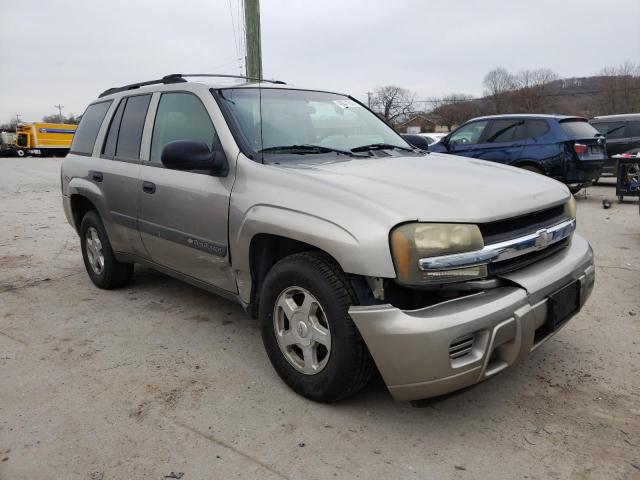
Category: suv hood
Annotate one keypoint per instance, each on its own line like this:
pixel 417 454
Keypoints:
pixel 435 187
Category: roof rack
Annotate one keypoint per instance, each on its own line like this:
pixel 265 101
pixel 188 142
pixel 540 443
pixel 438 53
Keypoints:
pixel 179 78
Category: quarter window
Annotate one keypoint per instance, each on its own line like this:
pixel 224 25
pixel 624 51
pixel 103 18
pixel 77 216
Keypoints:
pixel 87 132
pixel 468 134
pixel 131 126
pixel 180 116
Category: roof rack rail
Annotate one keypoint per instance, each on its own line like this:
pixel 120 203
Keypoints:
pixel 179 78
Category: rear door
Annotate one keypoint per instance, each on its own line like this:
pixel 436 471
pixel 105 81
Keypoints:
pixel 183 215
pixel 120 168
pixel 114 193
pixel 634 131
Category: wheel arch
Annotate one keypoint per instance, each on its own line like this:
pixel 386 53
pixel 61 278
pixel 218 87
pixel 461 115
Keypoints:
pixel 84 196
pixel 268 233
pixel 530 163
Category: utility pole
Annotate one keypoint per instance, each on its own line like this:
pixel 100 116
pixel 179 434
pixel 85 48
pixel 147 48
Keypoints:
pixel 252 38
pixel 369 99
pixel 59 107
pixel 17 121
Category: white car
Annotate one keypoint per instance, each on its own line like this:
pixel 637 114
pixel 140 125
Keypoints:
pixel 433 137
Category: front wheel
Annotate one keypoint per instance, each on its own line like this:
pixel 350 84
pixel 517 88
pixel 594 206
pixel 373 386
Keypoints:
pixel 312 343
pixel 20 152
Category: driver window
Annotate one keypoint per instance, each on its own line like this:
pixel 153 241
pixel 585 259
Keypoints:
pixel 468 134
pixel 180 116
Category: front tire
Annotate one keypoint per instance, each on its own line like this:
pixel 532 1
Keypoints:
pixel 20 152
pixel 103 268
pixel 312 343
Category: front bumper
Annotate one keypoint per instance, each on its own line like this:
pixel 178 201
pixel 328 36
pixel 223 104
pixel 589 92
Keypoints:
pixel 413 349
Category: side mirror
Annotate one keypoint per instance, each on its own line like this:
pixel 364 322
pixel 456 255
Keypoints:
pixel 193 155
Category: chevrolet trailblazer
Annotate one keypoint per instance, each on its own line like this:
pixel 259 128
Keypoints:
pixel 356 251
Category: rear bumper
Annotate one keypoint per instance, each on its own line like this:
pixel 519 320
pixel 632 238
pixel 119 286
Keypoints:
pixel 412 348
pixel 583 171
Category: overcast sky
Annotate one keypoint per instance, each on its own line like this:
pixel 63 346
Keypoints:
pixel 68 51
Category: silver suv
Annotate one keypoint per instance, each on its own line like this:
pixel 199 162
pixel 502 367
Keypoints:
pixel 356 251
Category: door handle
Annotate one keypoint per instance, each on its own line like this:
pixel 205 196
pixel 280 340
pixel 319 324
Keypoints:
pixel 96 176
pixel 148 187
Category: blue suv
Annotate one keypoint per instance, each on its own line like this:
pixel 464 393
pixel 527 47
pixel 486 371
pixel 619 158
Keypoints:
pixel 566 148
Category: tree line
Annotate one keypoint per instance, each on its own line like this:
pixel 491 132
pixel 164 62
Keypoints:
pixel 614 90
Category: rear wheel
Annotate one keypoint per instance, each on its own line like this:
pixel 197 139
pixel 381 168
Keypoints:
pixel 20 152
pixel 312 343
pixel 532 168
pixel 103 268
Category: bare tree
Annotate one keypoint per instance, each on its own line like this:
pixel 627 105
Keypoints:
pixel 455 109
pixel 393 103
pixel 532 89
pixel 620 88
pixel 498 83
pixel 55 118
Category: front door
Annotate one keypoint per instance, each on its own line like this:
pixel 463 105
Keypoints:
pixel 464 141
pixel 501 141
pixel 183 215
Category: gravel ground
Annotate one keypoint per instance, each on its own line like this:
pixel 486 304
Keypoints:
pixel 161 377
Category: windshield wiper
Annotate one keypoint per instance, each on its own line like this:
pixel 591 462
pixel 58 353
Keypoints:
pixel 380 146
pixel 305 149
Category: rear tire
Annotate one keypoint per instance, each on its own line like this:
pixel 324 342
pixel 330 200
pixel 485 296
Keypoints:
pixel 532 168
pixel 338 371
pixel 103 268
pixel 20 152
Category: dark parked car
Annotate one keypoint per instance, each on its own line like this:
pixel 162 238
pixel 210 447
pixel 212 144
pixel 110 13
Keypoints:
pixel 566 148
pixel 622 133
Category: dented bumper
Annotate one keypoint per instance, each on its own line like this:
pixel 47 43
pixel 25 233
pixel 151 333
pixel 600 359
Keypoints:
pixel 445 347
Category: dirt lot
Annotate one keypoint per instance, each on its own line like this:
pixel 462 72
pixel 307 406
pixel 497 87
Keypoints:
pixel 161 377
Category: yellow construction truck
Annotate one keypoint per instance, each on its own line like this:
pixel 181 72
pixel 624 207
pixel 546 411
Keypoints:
pixel 43 139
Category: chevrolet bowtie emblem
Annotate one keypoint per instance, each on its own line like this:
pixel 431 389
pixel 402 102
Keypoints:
pixel 543 239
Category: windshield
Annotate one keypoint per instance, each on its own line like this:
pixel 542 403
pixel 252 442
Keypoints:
pixel 269 119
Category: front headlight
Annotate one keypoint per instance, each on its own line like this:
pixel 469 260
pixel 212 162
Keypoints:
pixel 413 241
pixel 570 208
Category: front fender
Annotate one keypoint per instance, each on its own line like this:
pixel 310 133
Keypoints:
pixel 355 255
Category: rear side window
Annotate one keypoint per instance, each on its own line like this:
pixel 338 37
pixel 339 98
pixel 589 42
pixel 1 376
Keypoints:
pixel 180 116
pixel 533 129
pixel 131 126
pixel 578 129
pixel 87 132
